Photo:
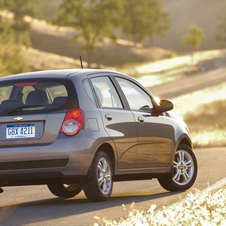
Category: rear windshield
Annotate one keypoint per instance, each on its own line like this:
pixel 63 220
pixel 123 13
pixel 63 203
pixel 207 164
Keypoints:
pixel 36 96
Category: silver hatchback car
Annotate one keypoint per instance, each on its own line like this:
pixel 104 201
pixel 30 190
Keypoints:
pixel 85 128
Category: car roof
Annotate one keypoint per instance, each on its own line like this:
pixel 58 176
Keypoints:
pixel 57 74
pixel 63 73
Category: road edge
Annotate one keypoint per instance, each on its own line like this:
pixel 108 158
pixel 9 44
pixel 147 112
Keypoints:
pixel 219 184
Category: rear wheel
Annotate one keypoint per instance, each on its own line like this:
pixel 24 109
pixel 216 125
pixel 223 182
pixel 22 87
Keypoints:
pixel 65 190
pixel 99 186
pixel 184 170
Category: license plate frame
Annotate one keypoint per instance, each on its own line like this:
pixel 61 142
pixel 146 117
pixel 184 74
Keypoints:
pixel 17 131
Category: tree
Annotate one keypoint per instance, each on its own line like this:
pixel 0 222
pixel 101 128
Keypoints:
pixel 11 60
pixel 193 37
pixel 20 9
pixel 221 37
pixel 134 20
pixel 92 19
pixel 158 20
pixel 144 18
pixel 47 10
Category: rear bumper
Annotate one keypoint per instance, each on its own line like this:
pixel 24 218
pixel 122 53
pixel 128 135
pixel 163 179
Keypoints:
pixel 67 159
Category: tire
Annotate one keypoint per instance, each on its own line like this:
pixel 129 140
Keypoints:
pixel 184 170
pixel 100 184
pixel 65 190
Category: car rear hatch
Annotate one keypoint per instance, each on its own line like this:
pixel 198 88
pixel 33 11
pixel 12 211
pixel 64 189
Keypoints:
pixel 32 110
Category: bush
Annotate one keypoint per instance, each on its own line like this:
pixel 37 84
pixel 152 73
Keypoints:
pixel 11 60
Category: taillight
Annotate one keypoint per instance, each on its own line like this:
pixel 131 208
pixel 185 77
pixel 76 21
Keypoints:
pixel 73 122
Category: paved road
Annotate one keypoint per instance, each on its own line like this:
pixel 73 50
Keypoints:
pixel 35 205
pixel 213 73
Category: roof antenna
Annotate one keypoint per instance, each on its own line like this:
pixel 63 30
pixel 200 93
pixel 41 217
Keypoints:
pixel 81 62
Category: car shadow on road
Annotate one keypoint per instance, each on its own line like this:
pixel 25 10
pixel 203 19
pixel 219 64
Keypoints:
pixel 49 209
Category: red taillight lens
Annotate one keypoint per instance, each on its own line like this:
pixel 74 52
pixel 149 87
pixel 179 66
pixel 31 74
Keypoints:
pixel 74 121
pixel 26 84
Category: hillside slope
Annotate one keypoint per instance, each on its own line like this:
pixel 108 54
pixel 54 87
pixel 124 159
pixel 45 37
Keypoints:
pixel 52 39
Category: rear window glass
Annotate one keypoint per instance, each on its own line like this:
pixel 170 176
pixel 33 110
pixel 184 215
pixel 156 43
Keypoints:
pixel 32 96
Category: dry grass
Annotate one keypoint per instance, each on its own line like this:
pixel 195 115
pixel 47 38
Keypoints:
pixel 202 208
pixel 204 113
pixel 210 117
pixel 208 127
pixel 39 60
pixel 108 54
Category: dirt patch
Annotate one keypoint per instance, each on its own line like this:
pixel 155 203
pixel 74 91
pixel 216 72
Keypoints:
pixel 39 60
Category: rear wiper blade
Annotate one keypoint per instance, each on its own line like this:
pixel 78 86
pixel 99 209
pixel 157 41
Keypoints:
pixel 18 109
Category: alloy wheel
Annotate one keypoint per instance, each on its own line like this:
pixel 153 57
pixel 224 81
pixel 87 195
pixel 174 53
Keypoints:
pixel 104 175
pixel 183 167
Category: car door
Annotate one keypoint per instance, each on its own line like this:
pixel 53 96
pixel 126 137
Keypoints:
pixel 118 121
pixel 155 135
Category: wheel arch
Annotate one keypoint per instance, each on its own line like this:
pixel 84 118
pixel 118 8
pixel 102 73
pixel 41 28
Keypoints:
pixel 183 139
pixel 186 142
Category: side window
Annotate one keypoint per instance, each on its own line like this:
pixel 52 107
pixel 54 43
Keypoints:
pixel 88 90
pixel 106 93
pixel 136 97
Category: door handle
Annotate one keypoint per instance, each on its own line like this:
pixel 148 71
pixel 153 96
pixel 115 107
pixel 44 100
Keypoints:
pixel 140 119
pixel 108 117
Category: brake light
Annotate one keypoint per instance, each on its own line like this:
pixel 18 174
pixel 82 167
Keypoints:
pixel 26 84
pixel 73 122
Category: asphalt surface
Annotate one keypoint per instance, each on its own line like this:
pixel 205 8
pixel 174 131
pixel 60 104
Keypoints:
pixel 213 72
pixel 35 205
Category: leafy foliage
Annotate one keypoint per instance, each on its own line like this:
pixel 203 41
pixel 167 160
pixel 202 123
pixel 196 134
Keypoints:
pixel 144 18
pixel 11 60
pixel 221 37
pixel 193 37
pixel 14 34
pixel 159 20
pixel 47 10
pixel 20 9
pixel 93 19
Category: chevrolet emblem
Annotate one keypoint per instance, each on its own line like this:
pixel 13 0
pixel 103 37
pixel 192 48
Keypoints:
pixel 18 118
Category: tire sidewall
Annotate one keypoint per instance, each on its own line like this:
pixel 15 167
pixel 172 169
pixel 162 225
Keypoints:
pixel 94 174
pixel 61 191
pixel 168 183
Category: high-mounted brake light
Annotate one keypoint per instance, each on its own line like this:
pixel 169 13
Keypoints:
pixel 26 84
pixel 73 122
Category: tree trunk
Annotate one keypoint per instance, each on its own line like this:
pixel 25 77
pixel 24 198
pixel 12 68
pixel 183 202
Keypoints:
pixel 134 41
pixel 89 56
pixel 151 41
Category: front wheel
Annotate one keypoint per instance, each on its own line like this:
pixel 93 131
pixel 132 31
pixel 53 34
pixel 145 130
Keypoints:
pixel 184 170
pixel 65 190
pixel 99 186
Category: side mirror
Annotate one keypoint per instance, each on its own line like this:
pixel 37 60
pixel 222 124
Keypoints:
pixel 165 105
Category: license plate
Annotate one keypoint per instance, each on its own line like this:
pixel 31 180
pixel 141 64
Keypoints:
pixel 20 130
